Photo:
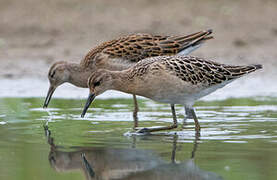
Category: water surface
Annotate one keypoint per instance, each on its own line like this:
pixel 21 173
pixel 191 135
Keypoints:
pixel 238 140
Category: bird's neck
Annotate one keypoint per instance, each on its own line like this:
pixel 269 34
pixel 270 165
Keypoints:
pixel 78 75
pixel 123 82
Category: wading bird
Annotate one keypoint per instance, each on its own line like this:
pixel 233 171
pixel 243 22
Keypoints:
pixel 120 54
pixel 168 79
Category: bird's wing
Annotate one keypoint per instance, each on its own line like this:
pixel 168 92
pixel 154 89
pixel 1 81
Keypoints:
pixel 136 47
pixel 140 46
pixel 197 70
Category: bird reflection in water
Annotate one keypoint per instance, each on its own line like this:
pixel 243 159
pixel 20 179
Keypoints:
pixel 122 164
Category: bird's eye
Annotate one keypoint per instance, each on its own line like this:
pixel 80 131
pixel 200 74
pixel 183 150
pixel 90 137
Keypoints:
pixel 96 83
pixel 52 75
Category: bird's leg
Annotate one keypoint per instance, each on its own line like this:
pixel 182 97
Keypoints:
pixel 153 129
pixel 135 112
pixel 197 125
pixel 187 116
pixel 185 119
pixel 190 113
pixel 175 124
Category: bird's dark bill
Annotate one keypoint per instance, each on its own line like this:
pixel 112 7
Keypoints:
pixel 48 97
pixel 89 101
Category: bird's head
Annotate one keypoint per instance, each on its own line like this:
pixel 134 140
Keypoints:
pixel 99 82
pixel 57 75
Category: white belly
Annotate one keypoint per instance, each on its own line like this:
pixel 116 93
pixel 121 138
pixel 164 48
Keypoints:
pixel 172 90
pixel 168 89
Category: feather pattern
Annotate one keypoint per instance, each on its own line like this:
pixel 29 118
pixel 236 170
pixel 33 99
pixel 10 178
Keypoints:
pixel 192 69
pixel 136 47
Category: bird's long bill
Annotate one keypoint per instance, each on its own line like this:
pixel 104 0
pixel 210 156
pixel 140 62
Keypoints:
pixel 49 95
pixel 91 97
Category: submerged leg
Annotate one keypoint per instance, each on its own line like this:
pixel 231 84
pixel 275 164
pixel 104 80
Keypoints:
pixel 153 129
pixel 175 124
pixel 184 124
pixel 190 113
pixel 135 112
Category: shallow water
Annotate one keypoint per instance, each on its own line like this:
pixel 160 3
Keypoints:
pixel 238 140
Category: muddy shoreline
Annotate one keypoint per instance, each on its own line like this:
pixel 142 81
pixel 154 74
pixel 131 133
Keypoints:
pixel 35 33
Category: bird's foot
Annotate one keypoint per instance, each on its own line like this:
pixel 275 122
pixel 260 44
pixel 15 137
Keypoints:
pixel 143 130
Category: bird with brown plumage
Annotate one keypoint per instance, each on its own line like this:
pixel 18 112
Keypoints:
pixel 168 79
pixel 120 54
